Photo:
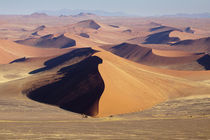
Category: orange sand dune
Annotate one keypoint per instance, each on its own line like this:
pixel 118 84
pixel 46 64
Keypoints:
pixel 129 87
pixel 97 32
pixel 13 51
pixel 6 57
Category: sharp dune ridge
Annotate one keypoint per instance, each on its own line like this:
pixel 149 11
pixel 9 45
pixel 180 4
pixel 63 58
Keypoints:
pixel 161 38
pixel 49 41
pixel 76 87
pixel 88 24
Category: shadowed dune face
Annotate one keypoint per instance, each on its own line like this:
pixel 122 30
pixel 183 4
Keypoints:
pixel 163 29
pixel 88 24
pixel 177 60
pixel 40 28
pixel 84 35
pixel 160 38
pixel 78 89
pixel 52 63
pixel 202 44
pixel 114 26
pixel 205 61
pixel 130 51
pixel 49 41
pixel 189 30
pixel 35 31
pixel 19 60
pixel 127 31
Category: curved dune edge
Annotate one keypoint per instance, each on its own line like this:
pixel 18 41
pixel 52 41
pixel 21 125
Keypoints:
pixel 77 88
pixel 166 59
pixel 168 53
pixel 73 83
pixel 184 35
pixel 131 88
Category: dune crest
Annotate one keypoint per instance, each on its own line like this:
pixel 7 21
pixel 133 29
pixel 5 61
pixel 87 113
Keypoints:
pixel 49 41
pixel 88 24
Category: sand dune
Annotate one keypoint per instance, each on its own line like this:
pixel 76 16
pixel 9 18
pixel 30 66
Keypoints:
pixel 49 41
pixel 35 31
pixel 171 53
pixel 76 69
pixel 120 76
pixel 10 51
pixel 88 24
pixel 189 30
pixel 84 35
pixel 6 57
pixel 161 38
pixel 163 29
pixel 184 35
pixel 178 60
pixel 202 44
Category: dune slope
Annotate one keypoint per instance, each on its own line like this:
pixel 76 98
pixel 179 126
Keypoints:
pixel 49 41
pixel 202 44
pixel 179 60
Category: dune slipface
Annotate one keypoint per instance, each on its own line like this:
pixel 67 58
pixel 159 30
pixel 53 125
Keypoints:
pixel 75 88
pixel 161 38
pixel 59 60
pixel 84 35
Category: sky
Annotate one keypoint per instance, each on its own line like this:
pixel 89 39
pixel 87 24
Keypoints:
pixel 132 7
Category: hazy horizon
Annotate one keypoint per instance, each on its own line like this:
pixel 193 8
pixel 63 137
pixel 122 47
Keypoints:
pixel 129 7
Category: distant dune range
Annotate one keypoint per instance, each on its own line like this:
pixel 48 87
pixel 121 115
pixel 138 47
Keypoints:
pixel 178 60
pixel 108 80
pixel 49 41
